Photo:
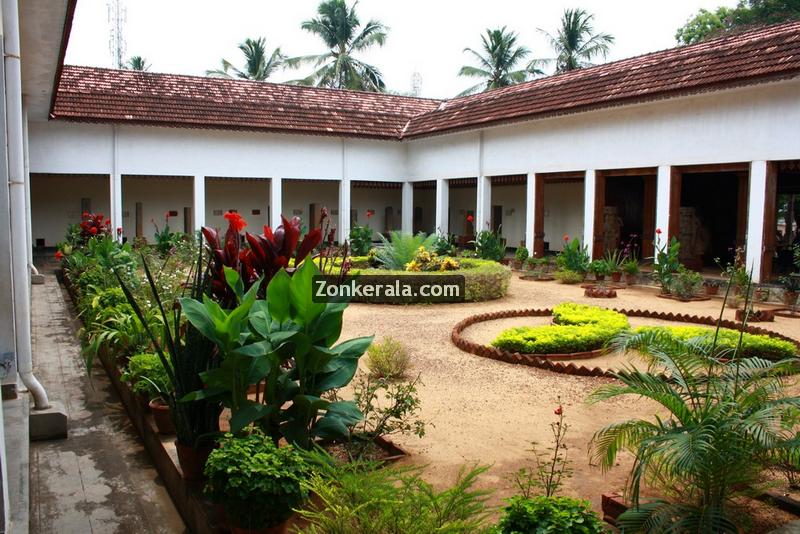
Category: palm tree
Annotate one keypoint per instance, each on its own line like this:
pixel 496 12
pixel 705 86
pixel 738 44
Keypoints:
pixel 137 63
pixel 340 29
pixel 576 44
pixel 500 57
pixel 727 416
pixel 258 65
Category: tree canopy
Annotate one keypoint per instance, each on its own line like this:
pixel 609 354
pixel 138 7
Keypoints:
pixel 258 64
pixel 498 61
pixel 748 13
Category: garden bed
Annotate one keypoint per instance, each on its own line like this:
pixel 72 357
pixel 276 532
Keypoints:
pixel 555 362
pixel 696 298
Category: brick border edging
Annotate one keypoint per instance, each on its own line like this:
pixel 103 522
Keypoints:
pixel 549 361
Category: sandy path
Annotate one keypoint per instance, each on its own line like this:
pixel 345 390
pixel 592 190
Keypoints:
pixel 488 412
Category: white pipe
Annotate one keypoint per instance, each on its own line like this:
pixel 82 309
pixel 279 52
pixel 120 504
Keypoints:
pixel 16 193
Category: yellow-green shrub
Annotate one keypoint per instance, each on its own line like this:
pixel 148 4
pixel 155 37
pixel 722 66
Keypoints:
pixel 580 314
pixel 388 359
pixel 757 345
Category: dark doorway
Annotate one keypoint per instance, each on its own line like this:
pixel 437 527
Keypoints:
pixel 781 218
pixel 497 218
pixel 625 211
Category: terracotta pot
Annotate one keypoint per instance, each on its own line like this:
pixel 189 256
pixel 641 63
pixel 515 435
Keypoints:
pixel 192 461
pixel 711 290
pixel 790 298
pixel 160 411
pixel 144 402
pixel 283 528
pixel 616 276
pixel 630 279
pixel 599 277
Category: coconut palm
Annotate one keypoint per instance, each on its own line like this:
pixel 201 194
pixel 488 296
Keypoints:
pixel 497 61
pixel 340 29
pixel 576 44
pixel 137 63
pixel 726 417
pixel 258 64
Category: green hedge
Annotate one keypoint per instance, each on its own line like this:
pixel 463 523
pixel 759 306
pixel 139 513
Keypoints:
pixel 483 279
pixel 576 328
pixel 753 345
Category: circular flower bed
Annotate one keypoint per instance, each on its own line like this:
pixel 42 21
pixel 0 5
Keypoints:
pixel 756 341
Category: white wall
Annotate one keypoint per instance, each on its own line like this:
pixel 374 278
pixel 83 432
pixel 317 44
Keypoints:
pixel 462 201
pixel 158 196
pixel 363 199
pixel 244 196
pixel 512 199
pixel 563 212
pixel 298 195
pixel 56 203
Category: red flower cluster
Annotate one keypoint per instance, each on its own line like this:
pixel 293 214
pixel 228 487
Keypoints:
pixel 658 231
pixel 470 218
pixel 236 221
pixel 59 255
pixel 559 410
pixel 370 213
pixel 94 225
pixel 566 238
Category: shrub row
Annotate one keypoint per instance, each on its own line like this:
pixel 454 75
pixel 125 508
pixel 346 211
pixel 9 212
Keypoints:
pixel 753 345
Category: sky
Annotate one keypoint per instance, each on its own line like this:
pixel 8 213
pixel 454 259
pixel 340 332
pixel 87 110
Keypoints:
pixel 425 36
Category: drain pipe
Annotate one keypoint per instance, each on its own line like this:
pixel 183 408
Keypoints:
pixel 16 193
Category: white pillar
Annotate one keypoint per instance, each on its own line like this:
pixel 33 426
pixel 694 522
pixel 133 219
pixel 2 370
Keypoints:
pixel 115 185
pixel 276 202
pixel 663 185
pixel 530 210
pixel 755 217
pixel 483 211
pixel 343 232
pixel 407 208
pixel 442 206
pixel 199 202
pixel 588 209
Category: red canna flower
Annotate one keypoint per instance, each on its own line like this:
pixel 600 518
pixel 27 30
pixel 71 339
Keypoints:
pixel 470 218
pixel 559 410
pixel 108 222
pixel 59 255
pixel 85 215
pixel 93 230
pixel 119 230
pixel 236 221
pixel 658 231
pixel 167 215
pixel 370 213
pixel 566 238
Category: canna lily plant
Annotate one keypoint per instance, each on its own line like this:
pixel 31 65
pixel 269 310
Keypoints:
pixel 265 255
pixel 285 346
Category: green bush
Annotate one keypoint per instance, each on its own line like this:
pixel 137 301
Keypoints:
pixel 574 256
pixel 753 345
pixel 599 268
pixel 388 359
pixel 548 515
pixel 258 483
pixel 569 277
pixel 577 328
pixel 521 255
pixel 490 245
pixel 147 374
pixel 401 247
pixel 685 283
pixel 360 239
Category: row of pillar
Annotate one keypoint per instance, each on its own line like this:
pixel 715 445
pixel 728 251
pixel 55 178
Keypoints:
pixel 755 223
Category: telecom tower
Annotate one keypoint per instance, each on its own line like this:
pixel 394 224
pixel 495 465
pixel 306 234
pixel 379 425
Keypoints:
pixel 117 15
pixel 416 84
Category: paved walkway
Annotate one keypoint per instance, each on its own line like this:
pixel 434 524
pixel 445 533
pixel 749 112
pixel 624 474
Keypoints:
pixel 100 480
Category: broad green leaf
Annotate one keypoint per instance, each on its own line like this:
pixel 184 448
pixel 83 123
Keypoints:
pixel 234 281
pixel 278 297
pixel 345 370
pixel 301 293
pixel 353 348
pixel 255 350
pixel 199 316
pixel 248 413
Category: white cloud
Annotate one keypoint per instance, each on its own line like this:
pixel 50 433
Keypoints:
pixel 426 36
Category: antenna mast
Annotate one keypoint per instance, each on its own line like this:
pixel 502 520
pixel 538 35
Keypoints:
pixel 117 15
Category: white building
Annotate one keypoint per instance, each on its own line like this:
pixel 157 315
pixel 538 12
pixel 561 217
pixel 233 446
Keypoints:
pixel 696 141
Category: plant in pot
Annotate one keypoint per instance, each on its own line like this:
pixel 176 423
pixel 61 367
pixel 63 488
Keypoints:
pixel 574 257
pixel 520 256
pixel 666 262
pixel 631 269
pixel 257 483
pixel 614 259
pixel 711 287
pixel 791 288
pixel 686 283
pixel 150 382
pixel 600 269
pixel 736 271
pixel 360 239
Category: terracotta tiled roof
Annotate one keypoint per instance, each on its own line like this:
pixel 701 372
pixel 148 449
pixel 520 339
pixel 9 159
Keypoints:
pixel 102 95
pixel 743 58
pixel 127 96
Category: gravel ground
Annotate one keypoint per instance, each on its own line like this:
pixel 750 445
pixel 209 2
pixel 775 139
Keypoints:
pixel 487 412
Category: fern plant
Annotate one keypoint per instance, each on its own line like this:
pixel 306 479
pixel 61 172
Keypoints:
pixel 727 416
pixel 401 247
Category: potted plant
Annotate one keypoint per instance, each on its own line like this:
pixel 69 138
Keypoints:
pixel 520 256
pixel 257 483
pixel 600 269
pixel 614 260
pixel 631 269
pixel 791 288
pixel 686 283
pixel 711 287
